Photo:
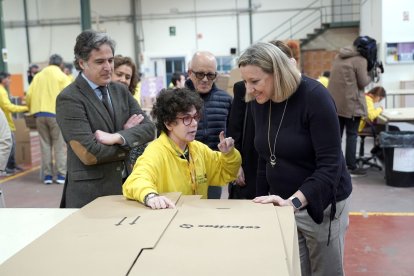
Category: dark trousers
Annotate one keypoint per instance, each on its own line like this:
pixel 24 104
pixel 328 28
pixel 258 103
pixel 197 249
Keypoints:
pixel 214 192
pixel 11 162
pixel 351 128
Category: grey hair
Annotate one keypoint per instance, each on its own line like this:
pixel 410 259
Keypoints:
pixel 55 60
pixel 90 40
pixel 273 61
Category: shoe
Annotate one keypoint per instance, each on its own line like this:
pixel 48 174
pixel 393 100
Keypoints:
pixel 4 173
pixel 48 179
pixel 357 172
pixel 18 169
pixel 60 179
pixel 9 171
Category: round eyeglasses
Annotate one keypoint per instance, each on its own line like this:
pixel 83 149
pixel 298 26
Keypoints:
pixel 201 75
pixel 188 119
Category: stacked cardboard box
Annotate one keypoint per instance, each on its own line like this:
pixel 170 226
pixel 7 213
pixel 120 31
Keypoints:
pixel 27 144
pixel 115 236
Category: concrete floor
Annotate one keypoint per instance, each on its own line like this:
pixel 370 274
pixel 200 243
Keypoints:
pixel 379 240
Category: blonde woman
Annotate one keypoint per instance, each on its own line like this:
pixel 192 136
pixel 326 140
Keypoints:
pixel 300 158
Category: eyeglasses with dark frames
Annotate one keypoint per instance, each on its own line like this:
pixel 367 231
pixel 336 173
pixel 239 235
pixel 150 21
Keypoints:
pixel 201 75
pixel 188 119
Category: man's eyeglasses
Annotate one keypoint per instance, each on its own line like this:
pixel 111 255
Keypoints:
pixel 201 75
pixel 188 119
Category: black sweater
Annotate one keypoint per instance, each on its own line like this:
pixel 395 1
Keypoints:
pixel 308 149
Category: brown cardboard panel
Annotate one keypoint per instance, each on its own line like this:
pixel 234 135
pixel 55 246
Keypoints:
pixel 241 234
pixel 187 198
pixel 290 238
pixel 22 132
pixel 222 81
pixel 235 76
pixel 23 153
pixel 115 236
pixel 30 121
pixel 103 238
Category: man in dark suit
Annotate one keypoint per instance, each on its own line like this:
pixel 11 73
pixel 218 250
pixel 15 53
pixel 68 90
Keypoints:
pixel 100 122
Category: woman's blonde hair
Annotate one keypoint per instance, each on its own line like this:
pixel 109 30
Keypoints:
pixel 272 60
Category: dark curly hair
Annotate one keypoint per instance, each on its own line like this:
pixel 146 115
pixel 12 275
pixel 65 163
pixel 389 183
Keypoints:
pixel 171 102
pixel 121 60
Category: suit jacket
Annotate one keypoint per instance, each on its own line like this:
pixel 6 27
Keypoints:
pixel 241 128
pixel 95 169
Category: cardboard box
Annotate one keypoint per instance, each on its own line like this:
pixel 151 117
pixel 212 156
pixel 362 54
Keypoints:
pixel 23 149
pixel 23 154
pixel 22 132
pixel 115 236
pixel 235 76
pixel 30 121
pixel 27 144
pixel 222 81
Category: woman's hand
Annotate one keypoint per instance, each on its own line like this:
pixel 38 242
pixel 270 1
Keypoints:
pixel 226 144
pixel 276 200
pixel 160 202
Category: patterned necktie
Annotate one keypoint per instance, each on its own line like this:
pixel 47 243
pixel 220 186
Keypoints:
pixel 106 102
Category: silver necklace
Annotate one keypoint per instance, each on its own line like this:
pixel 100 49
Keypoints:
pixel 272 157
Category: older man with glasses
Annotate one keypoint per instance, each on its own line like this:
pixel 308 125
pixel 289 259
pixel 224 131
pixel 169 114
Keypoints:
pixel 217 104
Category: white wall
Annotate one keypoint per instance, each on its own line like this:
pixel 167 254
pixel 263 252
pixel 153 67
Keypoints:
pixel 220 24
pixel 383 20
pixel 394 29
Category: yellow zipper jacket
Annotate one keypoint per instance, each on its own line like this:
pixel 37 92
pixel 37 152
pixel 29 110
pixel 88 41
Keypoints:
pixel 162 169
pixel 8 107
pixel 372 113
pixel 46 85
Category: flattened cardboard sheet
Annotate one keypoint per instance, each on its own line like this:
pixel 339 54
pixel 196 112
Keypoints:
pixel 290 238
pixel 115 236
pixel 103 238
pixel 242 235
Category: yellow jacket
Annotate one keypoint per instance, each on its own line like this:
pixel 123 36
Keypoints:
pixel 9 108
pixel 323 80
pixel 46 85
pixel 137 94
pixel 161 169
pixel 372 112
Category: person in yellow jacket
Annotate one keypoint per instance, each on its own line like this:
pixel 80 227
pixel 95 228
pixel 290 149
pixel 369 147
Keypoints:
pixel 9 108
pixel 324 78
pixel 177 80
pixel 175 162
pixel 41 99
pixel 67 69
pixel 373 96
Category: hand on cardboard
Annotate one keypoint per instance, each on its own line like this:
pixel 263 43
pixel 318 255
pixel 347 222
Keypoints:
pixel 275 199
pixel 108 139
pixel 226 144
pixel 134 120
pixel 240 180
pixel 160 202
